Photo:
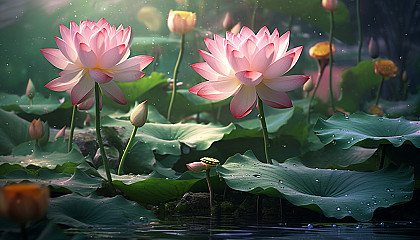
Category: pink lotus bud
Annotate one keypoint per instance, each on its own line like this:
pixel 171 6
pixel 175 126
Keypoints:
pixel 236 29
pixel 227 22
pixel 373 48
pixel 330 5
pixel 36 129
pixel 61 133
pixel 181 22
pixel 196 166
pixel 139 116
pixel 30 90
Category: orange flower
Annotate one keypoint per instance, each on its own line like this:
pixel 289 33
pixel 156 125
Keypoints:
pixel 23 202
pixel 181 22
pixel 36 129
pixel 321 51
pixel 330 5
pixel 385 68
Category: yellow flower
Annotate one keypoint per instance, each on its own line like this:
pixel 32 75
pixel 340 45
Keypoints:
pixel 321 51
pixel 181 22
pixel 330 5
pixel 23 202
pixel 385 68
pixel 36 129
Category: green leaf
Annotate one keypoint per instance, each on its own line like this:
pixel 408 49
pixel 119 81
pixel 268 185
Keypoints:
pixel 51 155
pixel 40 104
pixel 311 11
pixel 94 211
pixel 346 131
pixel 275 118
pixel 79 182
pixel 155 190
pixel 13 131
pixel 134 90
pixel 337 193
pixel 410 106
pixel 356 83
pixel 332 155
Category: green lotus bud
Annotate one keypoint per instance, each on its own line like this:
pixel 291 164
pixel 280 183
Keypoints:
pixel 139 115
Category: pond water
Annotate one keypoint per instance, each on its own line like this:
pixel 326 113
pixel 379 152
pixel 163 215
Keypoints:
pixel 136 109
pixel 207 228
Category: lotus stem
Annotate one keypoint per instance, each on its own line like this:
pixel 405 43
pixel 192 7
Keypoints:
pixel 70 146
pixel 254 14
pixel 320 73
pixel 181 52
pixel 127 148
pixel 331 59
pixel 382 159
pixel 210 190
pixel 359 27
pixel 379 91
pixel 98 134
pixel 265 132
pixel 30 102
pixel 23 231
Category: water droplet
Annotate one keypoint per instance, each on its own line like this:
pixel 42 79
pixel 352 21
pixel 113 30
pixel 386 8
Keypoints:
pixel 310 226
pixel 392 195
pixel 334 142
pixel 333 135
pixel 280 181
pixel 346 116
pixel 338 209
pixel 316 180
pixel 389 190
pixel 257 175
pixel 405 196
pixel 349 211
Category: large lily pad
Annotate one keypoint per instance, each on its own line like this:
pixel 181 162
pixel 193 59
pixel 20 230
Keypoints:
pixel 93 211
pixel 410 106
pixel 155 190
pixel 346 131
pixel 49 156
pixel 332 155
pixel 274 117
pixel 356 83
pixel 337 193
pixel 79 182
pixel 13 131
pixel 40 104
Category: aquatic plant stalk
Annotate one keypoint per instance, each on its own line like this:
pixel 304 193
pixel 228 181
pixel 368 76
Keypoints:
pixel 321 69
pixel 70 146
pixel 331 59
pixel 210 189
pixel 379 91
pixel 265 132
pixel 359 27
pixel 181 52
pixel 127 148
pixel 98 134
pixel 254 13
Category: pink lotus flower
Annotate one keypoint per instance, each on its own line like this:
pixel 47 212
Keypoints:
pixel 247 66
pixel 94 52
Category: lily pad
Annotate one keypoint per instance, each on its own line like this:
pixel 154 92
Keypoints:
pixel 356 83
pixel 346 131
pixel 13 131
pixel 331 155
pixel 274 117
pixel 79 182
pixel 410 106
pixel 53 154
pixel 94 211
pixel 40 104
pixel 337 193
pixel 155 190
